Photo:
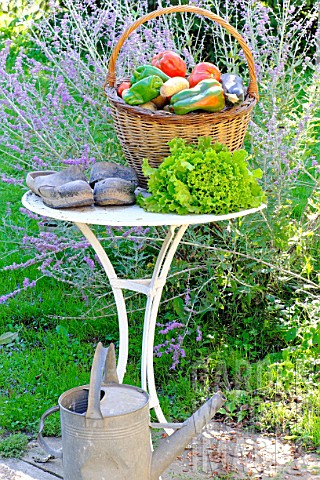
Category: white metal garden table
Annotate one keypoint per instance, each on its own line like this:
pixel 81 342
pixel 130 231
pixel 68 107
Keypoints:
pixel 152 287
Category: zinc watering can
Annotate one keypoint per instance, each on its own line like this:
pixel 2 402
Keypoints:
pixel 106 428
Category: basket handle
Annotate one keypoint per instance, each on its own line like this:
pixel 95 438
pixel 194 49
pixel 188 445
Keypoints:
pixel 111 76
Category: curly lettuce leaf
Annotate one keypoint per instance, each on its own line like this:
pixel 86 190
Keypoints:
pixel 202 178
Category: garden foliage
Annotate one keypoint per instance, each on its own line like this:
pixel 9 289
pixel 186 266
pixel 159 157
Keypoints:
pixel 250 285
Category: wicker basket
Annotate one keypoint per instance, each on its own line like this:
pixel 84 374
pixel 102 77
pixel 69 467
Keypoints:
pixel 145 134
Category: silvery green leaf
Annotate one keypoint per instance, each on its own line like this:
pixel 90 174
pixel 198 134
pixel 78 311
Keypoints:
pixel 8 337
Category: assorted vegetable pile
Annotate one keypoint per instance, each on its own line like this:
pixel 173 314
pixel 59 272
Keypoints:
pixel 164 84
pixel 200 179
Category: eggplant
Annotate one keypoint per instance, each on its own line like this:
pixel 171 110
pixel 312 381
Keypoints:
pixel 233 88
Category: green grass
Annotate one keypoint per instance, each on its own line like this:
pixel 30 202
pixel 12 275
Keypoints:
pixel 35 372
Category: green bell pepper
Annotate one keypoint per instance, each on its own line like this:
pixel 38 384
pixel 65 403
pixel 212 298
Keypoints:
pixel 145 71
pixel 143 91
pixel 206 95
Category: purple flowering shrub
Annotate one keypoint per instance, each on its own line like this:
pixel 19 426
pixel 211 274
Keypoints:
pixel 54 113
pixel 284 46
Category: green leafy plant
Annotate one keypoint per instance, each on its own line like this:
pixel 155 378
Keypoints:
pixel 14 445
pixel 202 178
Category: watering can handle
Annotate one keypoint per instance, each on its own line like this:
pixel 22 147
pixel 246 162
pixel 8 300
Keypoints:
pixel 103 370
pixel 41 440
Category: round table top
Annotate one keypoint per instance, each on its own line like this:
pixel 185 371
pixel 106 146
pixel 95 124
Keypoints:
pixel 129 216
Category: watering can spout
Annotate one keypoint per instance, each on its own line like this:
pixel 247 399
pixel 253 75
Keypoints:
pixel 172 446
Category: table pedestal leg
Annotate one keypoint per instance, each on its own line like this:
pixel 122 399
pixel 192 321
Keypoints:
pixel 118 296
pixel 152 288
pixel 157 283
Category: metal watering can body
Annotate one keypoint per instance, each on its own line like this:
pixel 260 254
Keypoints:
pixel 113 447
pixel 106 428
pixel 104 425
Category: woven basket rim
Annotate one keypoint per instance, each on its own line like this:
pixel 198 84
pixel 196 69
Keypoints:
pixel 223 115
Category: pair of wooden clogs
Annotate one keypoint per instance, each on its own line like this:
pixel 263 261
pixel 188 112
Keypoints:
pixel 109 184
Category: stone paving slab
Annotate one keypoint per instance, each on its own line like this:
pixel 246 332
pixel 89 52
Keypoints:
pixel 12 469
pixel 39 459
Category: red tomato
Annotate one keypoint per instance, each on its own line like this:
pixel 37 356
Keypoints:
pixel 170 63
pixel 123 86
pixel 202 71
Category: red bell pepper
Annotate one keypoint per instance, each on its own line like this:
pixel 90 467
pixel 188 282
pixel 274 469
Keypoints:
pixel 123 86
pixel 170 63
pixel 202 71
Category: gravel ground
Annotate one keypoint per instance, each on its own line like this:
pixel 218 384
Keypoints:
pixel 231 453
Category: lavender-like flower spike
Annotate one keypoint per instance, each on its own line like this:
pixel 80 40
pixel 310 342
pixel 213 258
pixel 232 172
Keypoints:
pixel 199 334
pixel 26 285
pixel 89 262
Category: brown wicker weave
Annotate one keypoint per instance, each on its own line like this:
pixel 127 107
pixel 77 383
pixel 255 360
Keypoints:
pixel 145 134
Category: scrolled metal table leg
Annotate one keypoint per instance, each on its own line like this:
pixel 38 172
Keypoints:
pixel 153 290
pixel 157 283
pixel 118 296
